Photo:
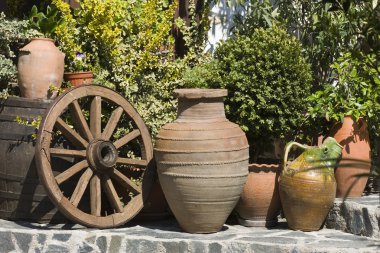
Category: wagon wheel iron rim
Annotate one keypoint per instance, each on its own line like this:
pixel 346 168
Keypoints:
pixel 99 171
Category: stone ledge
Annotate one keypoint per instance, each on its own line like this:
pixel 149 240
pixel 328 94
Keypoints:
pixel 166 236
pixel 358 216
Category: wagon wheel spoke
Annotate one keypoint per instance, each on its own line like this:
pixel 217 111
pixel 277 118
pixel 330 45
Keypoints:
pixel 125 181
pixel 67 152
pixel 95 117
pixel 127 138
pixel 112 123
pixel 81 187
pixel 131 162
pixel 80 121
pixel 71 171
pixel 70 134
pixel 95 195
pixel 112 195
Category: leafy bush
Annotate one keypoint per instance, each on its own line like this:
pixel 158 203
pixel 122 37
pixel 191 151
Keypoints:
pixel 268 81
pixel 355 90
pixel 324 28
pixel 13 34
pixel 129 46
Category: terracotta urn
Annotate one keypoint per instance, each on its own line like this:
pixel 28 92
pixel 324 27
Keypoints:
pixel 259 204
pixel 354 168
pixel 79 78
pixel 307 185
pixel 40 64
pixel 202 161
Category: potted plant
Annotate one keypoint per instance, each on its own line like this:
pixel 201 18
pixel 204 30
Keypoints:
pixel 41 63
pixel 268 82
pixel 78 70
pixel 350 103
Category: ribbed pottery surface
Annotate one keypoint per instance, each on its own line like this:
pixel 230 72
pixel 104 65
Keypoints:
pixel 202 170
pixel 202 165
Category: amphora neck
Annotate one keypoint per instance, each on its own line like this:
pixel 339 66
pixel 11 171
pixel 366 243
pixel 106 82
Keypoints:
pixel 200 105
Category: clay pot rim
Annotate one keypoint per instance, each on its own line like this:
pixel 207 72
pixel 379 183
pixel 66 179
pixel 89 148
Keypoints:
pixel 42 38
pixel 196 93
pixel 80 74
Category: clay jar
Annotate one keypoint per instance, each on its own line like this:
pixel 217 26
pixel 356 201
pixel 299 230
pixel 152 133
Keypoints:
pixel 202 161
pixel 79 78
pixel 40 65
pixel 352 173
pixel 307 185
pixel 259 204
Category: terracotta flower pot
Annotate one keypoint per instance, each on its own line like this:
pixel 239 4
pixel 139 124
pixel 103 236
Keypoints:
pixel 156 206
pixel 202 161
pixel 79 78
pixel 40 65
pixel 351 173
pixel 259 204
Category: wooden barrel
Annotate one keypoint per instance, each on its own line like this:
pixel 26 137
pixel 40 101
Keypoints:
pixel 22 197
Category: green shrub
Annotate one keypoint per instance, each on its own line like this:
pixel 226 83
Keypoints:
pixel 355 91
pixel 130 47
pixel 268 81
pixel 13 34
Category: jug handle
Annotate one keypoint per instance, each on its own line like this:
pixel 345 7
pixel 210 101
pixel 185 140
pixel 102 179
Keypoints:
pixel 287 150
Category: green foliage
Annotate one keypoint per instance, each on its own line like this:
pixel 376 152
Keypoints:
pixel 355 91
pixel 268 81
pixel 32 123
pixel 256 14
pixel 67 35
pixel 128 45
pixel 45 23
pixel 203 75
pixel 12 34
pixel 325 28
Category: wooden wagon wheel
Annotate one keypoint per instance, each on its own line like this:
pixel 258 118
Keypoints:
pixel 104 193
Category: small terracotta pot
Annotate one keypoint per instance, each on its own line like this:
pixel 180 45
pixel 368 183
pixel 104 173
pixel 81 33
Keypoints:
pixel 353 170
pixel 156 206
pixel 259 204
pixel 79 78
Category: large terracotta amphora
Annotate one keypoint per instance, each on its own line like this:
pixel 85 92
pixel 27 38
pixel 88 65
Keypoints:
pixel 307 185
pixel 40 64
pixel 202 161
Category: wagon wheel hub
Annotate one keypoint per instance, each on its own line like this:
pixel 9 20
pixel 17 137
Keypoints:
pixel 101 155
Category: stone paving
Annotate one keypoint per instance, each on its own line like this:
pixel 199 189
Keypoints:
pixel 166 236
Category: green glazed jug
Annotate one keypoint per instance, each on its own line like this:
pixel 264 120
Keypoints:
pixel 307 185
pixel 315 163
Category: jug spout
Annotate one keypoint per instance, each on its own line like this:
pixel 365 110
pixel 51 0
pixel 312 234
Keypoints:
pixel 315 162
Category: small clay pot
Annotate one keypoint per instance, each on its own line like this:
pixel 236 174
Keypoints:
pixel 259 204
pixel 79 78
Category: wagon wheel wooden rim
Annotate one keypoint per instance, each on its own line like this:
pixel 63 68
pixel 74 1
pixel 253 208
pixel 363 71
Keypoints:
pixel 98 173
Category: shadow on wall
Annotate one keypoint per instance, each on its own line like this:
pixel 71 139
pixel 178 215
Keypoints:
pixel 221 22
